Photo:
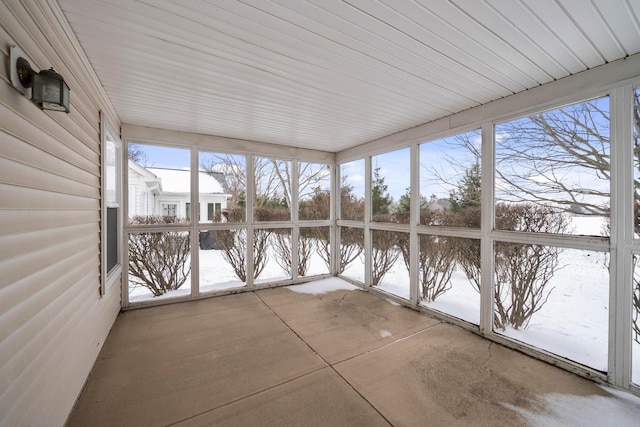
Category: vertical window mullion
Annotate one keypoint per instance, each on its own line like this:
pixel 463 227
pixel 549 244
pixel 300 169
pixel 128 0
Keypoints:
pixel 367 221
pixel 250 162
pixel 622 234
pixel 486 228
pixel 414 247
pixel 193 220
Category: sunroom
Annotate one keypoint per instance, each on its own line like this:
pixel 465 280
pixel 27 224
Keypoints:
pixel 476 162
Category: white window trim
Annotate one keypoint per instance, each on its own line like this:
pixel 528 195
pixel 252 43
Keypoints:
pixel 110 277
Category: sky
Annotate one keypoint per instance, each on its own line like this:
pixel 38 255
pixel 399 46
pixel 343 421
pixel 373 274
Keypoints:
pixel 443 163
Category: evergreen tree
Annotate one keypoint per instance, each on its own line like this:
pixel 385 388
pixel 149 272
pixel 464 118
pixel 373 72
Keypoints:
pixel 380 199
pixel 404 203
pixel 467 193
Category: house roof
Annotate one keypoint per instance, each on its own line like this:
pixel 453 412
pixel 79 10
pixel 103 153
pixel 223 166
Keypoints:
pixel 179 181
pixel 330 75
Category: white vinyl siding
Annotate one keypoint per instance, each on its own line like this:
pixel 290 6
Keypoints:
pixel 53 319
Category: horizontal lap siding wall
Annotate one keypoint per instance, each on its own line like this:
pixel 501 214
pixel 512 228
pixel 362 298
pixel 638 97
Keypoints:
pixel 53 320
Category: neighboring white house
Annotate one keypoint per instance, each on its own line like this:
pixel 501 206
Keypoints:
pixel 166 192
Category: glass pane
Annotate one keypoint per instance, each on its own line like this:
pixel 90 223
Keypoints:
pixel 222 188
pixel 636 162
pixel 390 262
pixel 450 177
pixel 352 253
pixel 159 182
pixel 314 251
pixel 111 172
pixel 222 259
pixel 272 187
pixel 159 264
pixel 222 183
pixel 272 254
pixel 449 276
pixel 390 190
pixel 635 325
pixel 314 191
pixel 352 190
pixel 555 165
pixel 554 299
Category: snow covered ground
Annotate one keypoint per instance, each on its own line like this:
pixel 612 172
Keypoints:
pixel 572 324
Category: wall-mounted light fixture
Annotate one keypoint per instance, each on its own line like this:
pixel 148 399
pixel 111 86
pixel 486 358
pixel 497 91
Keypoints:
pixel 47 89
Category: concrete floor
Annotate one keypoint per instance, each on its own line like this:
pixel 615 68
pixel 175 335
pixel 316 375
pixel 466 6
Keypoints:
pixel 281 358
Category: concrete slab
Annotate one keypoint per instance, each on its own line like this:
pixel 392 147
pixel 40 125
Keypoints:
pixel 344 323
pixel 321 398
pixel 164 364
pixel 447 376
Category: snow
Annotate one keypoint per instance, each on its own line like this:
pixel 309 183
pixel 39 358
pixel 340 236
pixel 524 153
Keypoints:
pixel 384 333
pixel 323 286
pixel 179 181
pixel 562 410
pixel 573 324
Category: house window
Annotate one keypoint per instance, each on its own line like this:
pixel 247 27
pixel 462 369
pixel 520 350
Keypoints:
pixel 214 211
pixel 187 207
pixel 169 209
pixel 111 201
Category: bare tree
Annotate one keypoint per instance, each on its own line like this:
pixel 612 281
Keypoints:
pixel 542 158
pixel 273 178
pixel 136 153
pixel 159 261
pixel 234 169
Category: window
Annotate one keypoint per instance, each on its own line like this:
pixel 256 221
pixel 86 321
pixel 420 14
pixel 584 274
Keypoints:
pixel 272 189
pixel 556 165
pixel 169 209
pixel 450 181
pixel 314 191
pixel 159 183
pixel 111 212
pixel 352 190
pixel 390 190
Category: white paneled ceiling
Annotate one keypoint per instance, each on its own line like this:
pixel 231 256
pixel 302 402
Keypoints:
pixel 329 74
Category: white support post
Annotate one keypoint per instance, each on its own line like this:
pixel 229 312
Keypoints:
pixel 414 238
pixel 486 227
pixel 295 230
pixel 193 219
pixel 334 230
pixel 622 234
pixel 250 220
pixel 367 221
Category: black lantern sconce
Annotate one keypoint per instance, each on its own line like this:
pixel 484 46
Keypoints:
pixel 47 89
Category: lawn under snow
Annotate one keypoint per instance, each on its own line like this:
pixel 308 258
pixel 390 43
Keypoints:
pixel 572 324
pixel 562 410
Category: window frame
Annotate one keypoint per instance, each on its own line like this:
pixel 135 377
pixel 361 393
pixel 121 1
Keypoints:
pixel 107 136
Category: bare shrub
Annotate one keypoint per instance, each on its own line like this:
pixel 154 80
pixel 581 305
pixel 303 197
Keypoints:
pixel 468 250
pixel 317 238
pixel 233 244
pixel 636 300
pixel 351 246
pixel 436 264
pixel 384 253
pixel 159 261
pixel 523 271
pixel 281 241
pixel 437 257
